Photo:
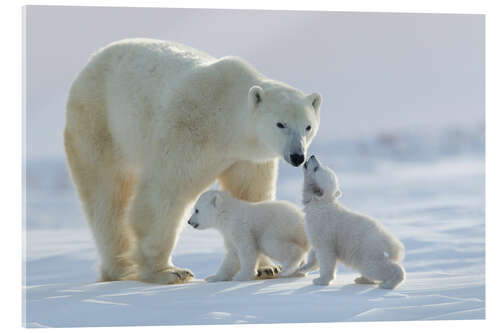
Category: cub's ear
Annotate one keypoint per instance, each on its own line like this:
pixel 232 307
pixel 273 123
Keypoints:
pixel 216 200
pixel 337 194
pixel 255 95
pixel 315 100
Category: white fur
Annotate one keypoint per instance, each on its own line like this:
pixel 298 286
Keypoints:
pixel 339 234
pixel 250 230
pixel 151 124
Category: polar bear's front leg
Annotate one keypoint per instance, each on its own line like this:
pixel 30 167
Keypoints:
pixel 229 267
pixel 157 224
pixel 253 182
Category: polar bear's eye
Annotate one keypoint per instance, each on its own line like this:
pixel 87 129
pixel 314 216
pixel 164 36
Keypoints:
pixel 308 128
pixel 280 125
pixel 196 211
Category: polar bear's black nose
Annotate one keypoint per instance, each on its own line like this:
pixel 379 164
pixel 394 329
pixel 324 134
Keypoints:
pixel 296 159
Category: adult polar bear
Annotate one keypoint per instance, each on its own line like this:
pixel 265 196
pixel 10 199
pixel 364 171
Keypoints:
pixel 151 124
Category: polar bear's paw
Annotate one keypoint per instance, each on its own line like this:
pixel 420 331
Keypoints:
pixel 171 275
pixel 363 280
pixel 321 282
pixel 268 272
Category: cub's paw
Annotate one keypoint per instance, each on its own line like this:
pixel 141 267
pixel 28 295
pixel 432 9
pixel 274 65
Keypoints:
pixel 296 274
pixel 214 278
pixel 299 274
pixel 363 280
pixel 390 284
pixel 243 277
pixel 321 282
pixel 268 272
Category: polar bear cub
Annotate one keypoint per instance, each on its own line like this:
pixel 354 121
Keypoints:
pixel 339 234
pixel 250 230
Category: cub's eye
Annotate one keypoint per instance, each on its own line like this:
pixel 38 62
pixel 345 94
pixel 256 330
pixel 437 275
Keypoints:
pixel 280 125
pixel 308 128
pixel 196 211
pixel 315 169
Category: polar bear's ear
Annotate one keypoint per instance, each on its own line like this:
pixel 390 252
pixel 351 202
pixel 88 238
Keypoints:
pixel 337 194
pixel 315 100
pixel 255 95
pixel 216 200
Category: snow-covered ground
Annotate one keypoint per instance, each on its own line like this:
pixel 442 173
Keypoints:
pixel 427 188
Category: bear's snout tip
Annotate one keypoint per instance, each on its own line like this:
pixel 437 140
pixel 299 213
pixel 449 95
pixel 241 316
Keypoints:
pixel 296 159
pixel 193 224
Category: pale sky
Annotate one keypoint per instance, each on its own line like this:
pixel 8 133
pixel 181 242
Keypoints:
pixel 376 72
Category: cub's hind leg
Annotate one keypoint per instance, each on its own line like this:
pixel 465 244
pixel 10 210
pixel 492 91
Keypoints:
pixel 291 263
pixel 390 273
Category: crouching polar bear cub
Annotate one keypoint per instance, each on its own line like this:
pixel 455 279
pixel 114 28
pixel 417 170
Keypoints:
pixel 151 124
pixel 272 228
pixel 337 233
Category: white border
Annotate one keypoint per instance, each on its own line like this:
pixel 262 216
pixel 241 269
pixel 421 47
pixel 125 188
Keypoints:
pixel 11 152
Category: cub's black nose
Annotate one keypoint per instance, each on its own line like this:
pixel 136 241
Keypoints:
pixel 296 159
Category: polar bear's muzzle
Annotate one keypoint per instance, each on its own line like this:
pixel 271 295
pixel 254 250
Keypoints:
pixel 296 159
pixel 295 150
pixel 193 224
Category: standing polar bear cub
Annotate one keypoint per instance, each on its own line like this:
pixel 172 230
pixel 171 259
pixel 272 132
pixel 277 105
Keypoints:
pixel 337 233
pixel 250 230
pixel 151 124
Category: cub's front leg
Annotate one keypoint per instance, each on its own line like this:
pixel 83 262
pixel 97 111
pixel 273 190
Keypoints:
pixel 229 267
pixel 253 182
pixel 248 255
pixel 327 265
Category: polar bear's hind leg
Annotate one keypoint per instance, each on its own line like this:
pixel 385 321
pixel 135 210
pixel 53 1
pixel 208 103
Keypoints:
pixel 104 188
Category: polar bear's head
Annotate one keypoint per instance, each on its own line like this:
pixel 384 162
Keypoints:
pixel 320 182
pixel 287 120
pixel 206 209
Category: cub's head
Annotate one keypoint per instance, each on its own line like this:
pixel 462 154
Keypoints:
pixel 287 120
pixel 320 182
pixel 206 210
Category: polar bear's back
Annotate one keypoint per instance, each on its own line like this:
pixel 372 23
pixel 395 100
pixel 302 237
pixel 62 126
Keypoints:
pixel 139 53
pixel 139 64
pixel 130 83
pixel 136 71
